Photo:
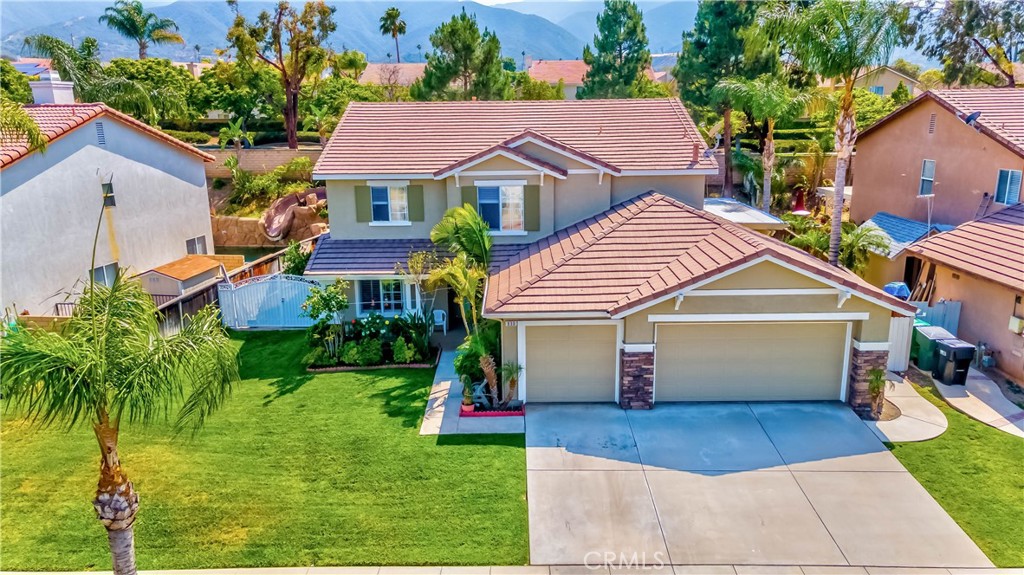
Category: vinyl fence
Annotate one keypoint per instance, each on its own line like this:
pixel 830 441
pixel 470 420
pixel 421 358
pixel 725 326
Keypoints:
pixel 268 301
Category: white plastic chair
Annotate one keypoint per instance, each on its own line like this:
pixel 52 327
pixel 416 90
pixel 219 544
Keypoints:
pixel 441 319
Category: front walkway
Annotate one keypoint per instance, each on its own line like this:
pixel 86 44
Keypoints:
pixel 982 399
pixel 442 412
pixel 919 419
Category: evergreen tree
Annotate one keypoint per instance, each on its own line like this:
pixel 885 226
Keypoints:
pixel 620 56
pixel 901 95
pixel 464 64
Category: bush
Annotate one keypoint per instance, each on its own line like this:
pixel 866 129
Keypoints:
pixel 280 137
pixel 318 357
pixel 488 341
pixel 295 259
pixel 219 183
pixel 370 352
pixel 350 353
pixel 402 352
pixel 199 138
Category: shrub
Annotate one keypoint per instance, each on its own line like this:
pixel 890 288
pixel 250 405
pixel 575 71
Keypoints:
pixel 318 357
pixel 350 353
pixel 280 137
pixel 370 352
pixel 487 341
pixel 218 183
pixel 402 352
pixel 199 138
pixel 295 259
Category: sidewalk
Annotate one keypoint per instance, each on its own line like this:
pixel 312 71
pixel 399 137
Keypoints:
pixel 919 419
pixel 982 399
pixel 442 413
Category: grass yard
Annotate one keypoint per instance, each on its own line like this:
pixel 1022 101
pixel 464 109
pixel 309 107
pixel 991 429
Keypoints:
pixel 296 470
pixel 976 473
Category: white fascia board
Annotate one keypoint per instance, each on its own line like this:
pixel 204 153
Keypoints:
pixel 496 153
pixel 755 317
pixel 685 172
pixel 565 153
pixel 333 176
pixel 547 315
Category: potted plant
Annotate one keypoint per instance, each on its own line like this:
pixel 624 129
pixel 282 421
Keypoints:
pixel 467 396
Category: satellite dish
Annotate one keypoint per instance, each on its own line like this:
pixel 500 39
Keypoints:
pixel 972 118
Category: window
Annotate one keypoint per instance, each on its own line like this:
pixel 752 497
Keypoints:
pixel 879 90
pixel 196 245
pixel 108 195
pixel 105 274
pixel 381 296
pixel 501 206
pixel 927 178
pixel 1008 187
pixel 389 203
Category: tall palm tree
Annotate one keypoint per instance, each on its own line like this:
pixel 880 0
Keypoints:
pixel 131 20
pixel 769 99
pixel 322 121
pixel 466 280
pixel 107 365
pixel 836 39
pixel 391 23
pixel 16 126
pixel 461 230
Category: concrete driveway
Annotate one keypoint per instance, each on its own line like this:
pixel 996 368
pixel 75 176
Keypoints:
pixel 728 483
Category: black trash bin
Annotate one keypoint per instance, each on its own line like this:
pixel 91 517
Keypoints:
pixel 952 361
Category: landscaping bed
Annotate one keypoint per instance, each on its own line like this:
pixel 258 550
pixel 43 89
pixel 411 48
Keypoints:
pixel 295 469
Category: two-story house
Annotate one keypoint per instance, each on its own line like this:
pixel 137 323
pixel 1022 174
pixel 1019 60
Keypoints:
pixel 149 187
pixel 603 253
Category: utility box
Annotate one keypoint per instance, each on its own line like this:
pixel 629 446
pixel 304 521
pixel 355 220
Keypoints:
pixel 952 361
pixel 924 341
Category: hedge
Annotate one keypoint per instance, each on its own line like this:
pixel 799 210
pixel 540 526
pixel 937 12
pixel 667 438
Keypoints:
pixel 260 138
pixel 190 137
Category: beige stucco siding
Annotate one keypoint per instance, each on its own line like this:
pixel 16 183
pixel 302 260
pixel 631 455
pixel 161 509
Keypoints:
pixel 341 205
pixel 686 189
pixel 579 197
pixel 888 162
pixel 885 78
pixel 881 270
pixel 749 362
pixel 570 363
pixel 547 203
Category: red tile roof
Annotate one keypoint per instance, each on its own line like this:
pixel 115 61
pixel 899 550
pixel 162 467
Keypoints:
pixel 571 71
pixel 504 150
pixel 423 137
pixel 1002 112
pixel 991 248
pixel 56 120
pixel 403 74
pixel 639 251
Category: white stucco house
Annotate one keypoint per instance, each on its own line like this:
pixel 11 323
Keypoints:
pixel 149 187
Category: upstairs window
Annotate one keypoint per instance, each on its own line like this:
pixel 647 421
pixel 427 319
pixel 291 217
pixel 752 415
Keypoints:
pixel 389 203
pixel 927 178
pixel 104 275
pixel 108 195
pixel 1008 187
pixel 385 297
pixel 501 206
pixel 196 245
pixel 878 90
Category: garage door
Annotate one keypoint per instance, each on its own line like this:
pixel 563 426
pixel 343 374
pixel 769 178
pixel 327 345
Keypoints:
pixel 749 362
pixel 570 363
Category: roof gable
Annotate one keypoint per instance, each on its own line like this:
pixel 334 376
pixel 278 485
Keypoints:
pixel 506 152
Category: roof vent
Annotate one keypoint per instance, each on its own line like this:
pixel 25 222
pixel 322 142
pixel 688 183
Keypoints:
pixel 101 138
pixel 695 156
pixel 931 124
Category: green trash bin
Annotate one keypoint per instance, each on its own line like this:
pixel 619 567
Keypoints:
pixel 925 338
pixel 918 322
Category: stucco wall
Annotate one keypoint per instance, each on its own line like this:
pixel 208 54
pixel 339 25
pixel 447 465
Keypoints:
pixel 985 316
pixel 881 270
pixel 687 189
pixel 50 204
pixel 967 165
pixel 256 160
pixel 341 205
pixel 885 78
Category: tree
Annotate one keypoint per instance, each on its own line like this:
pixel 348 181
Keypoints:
pixel 293 40
pixel 966 33
pixel 836 39
pixel 108 365
pixel 901 95
pixel 196 48
pixel 462 230
pixel 331 97
pixel 716 48
pixel 769 99
pixel 131 20
pixel 235 133
pixel 14 84
pixel 16 126
pixel 391 24
pixel 907 68
pixel 321 121
pixel 326 306
pixel 526 88
pixel 91 83
pixel 167 85
pixel 243 89
pixel 868 109
pixel 464 64
pixel 620 56
pixel 931 79
pixel 349 63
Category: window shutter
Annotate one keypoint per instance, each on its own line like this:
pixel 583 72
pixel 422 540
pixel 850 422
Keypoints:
pixel 1013 188
pixel 364 211
pixel 531 208
pixel 415 199
pixel 469 196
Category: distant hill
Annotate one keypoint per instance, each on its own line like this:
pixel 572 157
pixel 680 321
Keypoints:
pixel 665 21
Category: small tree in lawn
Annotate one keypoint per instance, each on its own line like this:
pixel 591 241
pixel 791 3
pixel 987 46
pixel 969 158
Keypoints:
pixel 326 305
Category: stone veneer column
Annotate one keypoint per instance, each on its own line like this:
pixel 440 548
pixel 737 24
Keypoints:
pixel 636 385
pixel 861 364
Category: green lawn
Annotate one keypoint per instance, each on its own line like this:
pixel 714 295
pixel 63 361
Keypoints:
pixel 296 470
pixel 976 473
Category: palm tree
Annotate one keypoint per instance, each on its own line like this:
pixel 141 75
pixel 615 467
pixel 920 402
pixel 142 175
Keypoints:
pixel 107 365
pixel 129 19
pixel 197 48
pixel 466 280
pixel 320 120
pixel 461 230
pixel 236 134
pixel 857 244
pixel 769 99
pixel 16 126
pixel 391 23
pixel 836 39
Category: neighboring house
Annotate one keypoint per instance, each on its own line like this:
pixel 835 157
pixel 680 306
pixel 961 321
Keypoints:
pixel 194 68
pixel 923 163
pixel 388 74
pixel 570 73
pixel 892 264
pixel 149 187
pixel 32 66
pixel 881 80
pixel 747 216
pixel 603 253
pixel 175 278
pixel 981 264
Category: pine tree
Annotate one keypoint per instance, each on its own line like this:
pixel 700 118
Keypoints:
pixel 464 64
pixel 620 56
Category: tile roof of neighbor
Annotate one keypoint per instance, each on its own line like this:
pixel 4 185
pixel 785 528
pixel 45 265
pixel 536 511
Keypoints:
pixel 991 248
pixel 636 252
pixel 403 74
pixel 571 71
pixel 422 137
pixel 739 213
pixel 187 267
pixel 56 120
pixel 1002 112
pixel 900 232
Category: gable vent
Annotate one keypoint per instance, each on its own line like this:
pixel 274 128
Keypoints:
pixel 100 137
pixel 931 124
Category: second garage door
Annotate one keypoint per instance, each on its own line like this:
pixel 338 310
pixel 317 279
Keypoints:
pixel 749 362
pixel 570 363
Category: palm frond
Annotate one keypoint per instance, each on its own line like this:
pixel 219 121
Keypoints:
pixel 17 126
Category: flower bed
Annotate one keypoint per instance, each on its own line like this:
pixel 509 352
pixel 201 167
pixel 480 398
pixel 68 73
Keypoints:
pixel 372 342
pixel 437 357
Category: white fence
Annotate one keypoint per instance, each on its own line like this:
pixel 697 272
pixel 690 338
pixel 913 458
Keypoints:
pixel 901 330
pixel 270 301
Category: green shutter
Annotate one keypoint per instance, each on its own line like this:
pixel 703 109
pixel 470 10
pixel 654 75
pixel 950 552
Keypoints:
pixel 469 196
pixel 415 194
pixel 364 211
pixel 531 208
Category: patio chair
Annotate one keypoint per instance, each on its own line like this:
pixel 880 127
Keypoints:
pixel 440 320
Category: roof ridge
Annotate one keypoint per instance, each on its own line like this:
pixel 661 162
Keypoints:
pixel 649 199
